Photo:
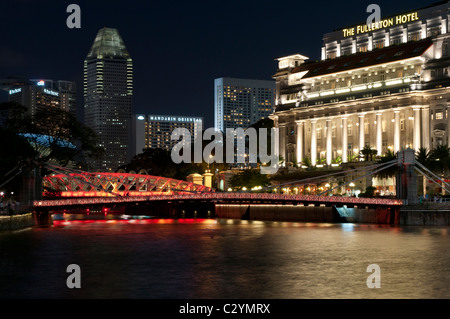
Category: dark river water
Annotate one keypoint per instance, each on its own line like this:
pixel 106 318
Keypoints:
pixel 221 259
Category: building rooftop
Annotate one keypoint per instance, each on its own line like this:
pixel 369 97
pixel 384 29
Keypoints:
pixel 362 60
pixel 108 43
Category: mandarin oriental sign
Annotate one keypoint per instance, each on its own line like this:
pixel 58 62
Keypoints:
pixel 389 22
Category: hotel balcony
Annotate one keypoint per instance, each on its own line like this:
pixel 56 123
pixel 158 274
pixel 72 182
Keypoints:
pixel 361 87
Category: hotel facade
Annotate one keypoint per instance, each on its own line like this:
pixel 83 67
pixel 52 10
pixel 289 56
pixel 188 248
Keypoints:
pixel 382 86
pixel 155 131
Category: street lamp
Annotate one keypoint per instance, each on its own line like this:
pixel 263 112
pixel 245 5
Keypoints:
pixel 351 186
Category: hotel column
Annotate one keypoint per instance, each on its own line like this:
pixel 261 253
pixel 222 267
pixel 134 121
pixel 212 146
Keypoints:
pixel 396 131
pixel 300 143
pixel 416 133
pixel 329 139
pixel 448 126
pixel 361 131
pixel 379 134
pixel 426 127
pixel 281 128
pixel 313 143
pixel 344 140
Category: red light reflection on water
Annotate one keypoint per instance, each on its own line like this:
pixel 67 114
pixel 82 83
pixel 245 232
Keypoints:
pixel 66 222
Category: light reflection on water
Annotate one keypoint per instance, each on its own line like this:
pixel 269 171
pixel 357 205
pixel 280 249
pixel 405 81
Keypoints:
pixel 207 258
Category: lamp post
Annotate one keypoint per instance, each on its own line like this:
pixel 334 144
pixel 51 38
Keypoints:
pixel 351 187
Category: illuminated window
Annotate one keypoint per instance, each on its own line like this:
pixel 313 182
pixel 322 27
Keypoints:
pixel 414 37
pixel 439 115
pixel 363 48
pixel 366 126
pixel 397 40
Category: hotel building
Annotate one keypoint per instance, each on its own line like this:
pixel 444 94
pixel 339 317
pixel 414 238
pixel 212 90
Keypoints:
pixel 239 103
pixel 382 86
pixel 155 131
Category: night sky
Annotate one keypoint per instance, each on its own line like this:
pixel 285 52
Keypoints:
pixel 178 47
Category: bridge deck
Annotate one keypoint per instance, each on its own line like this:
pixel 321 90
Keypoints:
pixel 222 197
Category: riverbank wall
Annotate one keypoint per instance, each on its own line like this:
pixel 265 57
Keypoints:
pixel 291 213
pixel 15 222
pixel 437 214
pixel 428 214
pixel 313 214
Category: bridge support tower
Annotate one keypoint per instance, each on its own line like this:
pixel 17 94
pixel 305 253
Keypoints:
pixel 406 176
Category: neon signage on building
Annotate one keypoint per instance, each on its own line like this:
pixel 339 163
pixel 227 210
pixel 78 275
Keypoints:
pixel 385 23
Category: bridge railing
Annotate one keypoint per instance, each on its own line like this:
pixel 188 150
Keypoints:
pixel 222 196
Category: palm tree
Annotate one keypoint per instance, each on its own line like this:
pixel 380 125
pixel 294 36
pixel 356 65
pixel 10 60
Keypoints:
pixel 423 156
pixel 388 172
pixel 307 162
pixel 368 153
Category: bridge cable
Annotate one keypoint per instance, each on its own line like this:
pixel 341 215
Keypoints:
pixel 302 181
pixel 431 173
pixel 14 176
pixel 431 179
pixel 355 179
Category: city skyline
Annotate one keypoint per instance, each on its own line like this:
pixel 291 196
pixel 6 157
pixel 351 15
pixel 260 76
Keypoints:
pixel 188 43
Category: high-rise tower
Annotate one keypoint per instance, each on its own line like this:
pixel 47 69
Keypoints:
pixel 108 92
pixel 242 102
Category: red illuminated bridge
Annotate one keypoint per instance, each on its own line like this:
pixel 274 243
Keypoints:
pixel 113 189
pixel 84 184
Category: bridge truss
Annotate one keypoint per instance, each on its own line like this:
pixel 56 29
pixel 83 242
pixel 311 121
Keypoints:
pixel 71 183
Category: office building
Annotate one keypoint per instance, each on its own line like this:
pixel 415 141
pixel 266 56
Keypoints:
pixel 39 94
pixel 108 92
pixel 155 131
pixel 239 103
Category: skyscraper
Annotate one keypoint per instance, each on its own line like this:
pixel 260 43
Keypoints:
pixel 242 102
pixel 108 92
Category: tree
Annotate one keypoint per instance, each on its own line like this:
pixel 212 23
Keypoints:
pixel 390 171
pixel 440 159
pixel 249 179
pixel 32 142
pixel 56 134
pixel 370 192
pixel 367 152
pixel 307 162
